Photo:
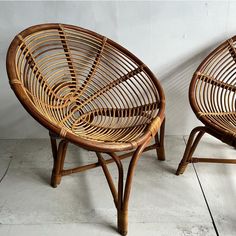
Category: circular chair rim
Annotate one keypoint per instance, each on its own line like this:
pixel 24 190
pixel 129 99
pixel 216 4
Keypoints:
pixel 192 99
pixel 53 127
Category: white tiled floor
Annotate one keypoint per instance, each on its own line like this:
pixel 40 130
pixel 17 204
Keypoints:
pixel 219 184
pixel 161 203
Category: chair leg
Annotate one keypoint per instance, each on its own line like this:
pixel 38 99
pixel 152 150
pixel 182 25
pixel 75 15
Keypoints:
pixel 122 218
pixel 59 158
pixel 192 143
pixel 160 142
pixel 121 197
pixel 122 222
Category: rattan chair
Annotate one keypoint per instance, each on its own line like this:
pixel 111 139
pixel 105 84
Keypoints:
pixel 213 99
pixel 88 90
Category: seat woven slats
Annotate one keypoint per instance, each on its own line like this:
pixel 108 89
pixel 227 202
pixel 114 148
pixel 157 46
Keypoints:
pixel 67 53
pixel 213 81
pixel 85 84
pixel 215 88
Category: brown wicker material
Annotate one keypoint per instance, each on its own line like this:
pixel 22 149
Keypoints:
pixel 213 99
pixel 88 90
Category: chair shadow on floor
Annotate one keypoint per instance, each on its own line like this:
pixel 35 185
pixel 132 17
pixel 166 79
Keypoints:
pixel 75 157
pixel 175 81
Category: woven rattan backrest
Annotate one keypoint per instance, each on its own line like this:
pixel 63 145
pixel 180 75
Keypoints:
pixel 74 77
pixel 213 87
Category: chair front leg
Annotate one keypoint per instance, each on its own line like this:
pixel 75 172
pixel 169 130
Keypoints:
pixel 194 138
pixel 58 160
pixel 122 218
pixel 121 197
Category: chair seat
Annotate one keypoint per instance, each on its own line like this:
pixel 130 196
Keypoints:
pixel 224 120
pixel 110 125
pixel 89 121
pixel 83 86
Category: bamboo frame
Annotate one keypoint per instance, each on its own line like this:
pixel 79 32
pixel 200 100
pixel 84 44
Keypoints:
pixel 212 97
pixel 88 90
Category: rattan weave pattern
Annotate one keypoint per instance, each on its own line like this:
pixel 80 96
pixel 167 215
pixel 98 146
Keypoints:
pixel 86 85
pixel 212 91
pixel 213 99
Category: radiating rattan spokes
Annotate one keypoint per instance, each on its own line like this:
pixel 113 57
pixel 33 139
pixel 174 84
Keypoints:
pixel 215 86
pixel 86 85
pixel 212 95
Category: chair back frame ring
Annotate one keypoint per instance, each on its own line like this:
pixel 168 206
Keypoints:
pixel 53 127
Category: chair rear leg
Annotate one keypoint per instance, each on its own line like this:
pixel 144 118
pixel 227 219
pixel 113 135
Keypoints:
pixel 160 142
pixel 190 148
pixel 59 158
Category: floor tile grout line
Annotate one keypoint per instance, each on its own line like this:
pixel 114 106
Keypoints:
pixel 204 196
pixel 5 173
pixel 205 199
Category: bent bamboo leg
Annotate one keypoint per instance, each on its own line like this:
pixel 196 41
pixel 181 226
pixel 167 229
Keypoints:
pixel 58 161
pixel 160 149
pixel 53 140
pixel 117 196
pixel 123 210
pixel 121 197
pixel 108 176
pixel 192 143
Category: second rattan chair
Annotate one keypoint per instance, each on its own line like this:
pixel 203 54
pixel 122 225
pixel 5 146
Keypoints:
pixel 213 99
pixel 88 90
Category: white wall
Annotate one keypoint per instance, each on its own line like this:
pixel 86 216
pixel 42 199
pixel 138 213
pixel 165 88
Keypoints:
pixel 170 37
